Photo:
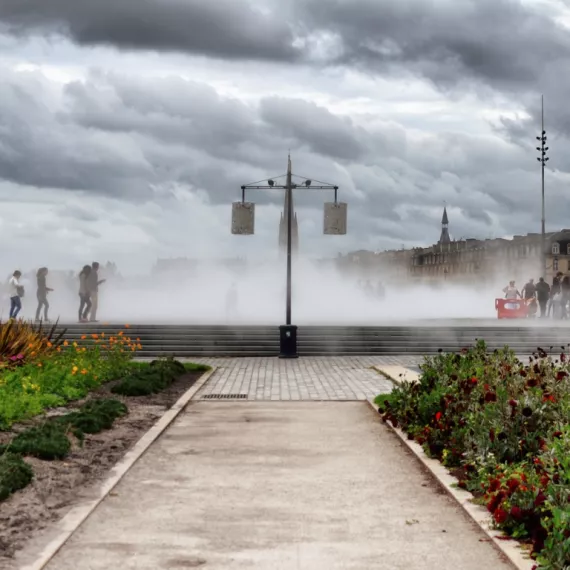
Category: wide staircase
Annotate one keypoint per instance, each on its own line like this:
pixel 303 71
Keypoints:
pixel 204 340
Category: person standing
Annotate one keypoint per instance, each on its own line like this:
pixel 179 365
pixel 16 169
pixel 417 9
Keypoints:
pixel 542 295
pixel 42 292
pixel 93 283
pixel 16 294
pixel 84 296
pixel 529 290
pixel 565 290
pixel 511 291
pixel 554 292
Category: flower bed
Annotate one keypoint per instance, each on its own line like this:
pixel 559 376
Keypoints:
pixel 503 429
pixel 39 370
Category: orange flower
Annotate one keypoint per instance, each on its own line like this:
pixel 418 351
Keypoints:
pixel 65 343
pixel 95 336
pixel 49 344
pixel 83 337
pixel 59 348
pixel 30 345
pixel 102 335
pixel 84 372
pixel 39 365
pixel 138 339
pixel 120 333
pixel 127 326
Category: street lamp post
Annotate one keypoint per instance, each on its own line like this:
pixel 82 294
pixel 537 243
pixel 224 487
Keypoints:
pixel 243 224
pixel 543 159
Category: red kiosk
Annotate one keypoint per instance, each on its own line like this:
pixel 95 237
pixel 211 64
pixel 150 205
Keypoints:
pixel 512 308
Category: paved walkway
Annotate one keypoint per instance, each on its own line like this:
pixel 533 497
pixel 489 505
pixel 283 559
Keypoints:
pixel 280 486
pixel 308 378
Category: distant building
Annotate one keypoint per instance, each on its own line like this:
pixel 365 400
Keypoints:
pixel 464 261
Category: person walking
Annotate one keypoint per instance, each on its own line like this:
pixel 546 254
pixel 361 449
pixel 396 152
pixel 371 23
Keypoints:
pixel 511 292
pixel 529 290
pixel 565 290
pixel 16 294
pixel 84 296
pixel 554 292
pixel 542 295
pixel 93 283
pixel 42 292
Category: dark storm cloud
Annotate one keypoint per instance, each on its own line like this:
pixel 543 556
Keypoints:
pixel 500 42
pixel 37 150
pixel 232 29
pixel 324 132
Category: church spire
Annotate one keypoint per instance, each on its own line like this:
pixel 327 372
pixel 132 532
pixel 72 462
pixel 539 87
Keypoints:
pixel 444 238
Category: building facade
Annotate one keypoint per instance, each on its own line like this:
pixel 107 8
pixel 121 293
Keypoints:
pixel 466 261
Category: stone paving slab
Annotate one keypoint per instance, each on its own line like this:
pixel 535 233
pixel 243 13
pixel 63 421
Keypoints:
pixel 307 378
pixel 280 486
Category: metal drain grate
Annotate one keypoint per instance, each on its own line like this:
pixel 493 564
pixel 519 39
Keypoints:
pixel 224 397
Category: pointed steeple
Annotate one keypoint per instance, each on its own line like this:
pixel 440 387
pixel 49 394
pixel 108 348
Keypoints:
pixel 444 237
pixel 283 221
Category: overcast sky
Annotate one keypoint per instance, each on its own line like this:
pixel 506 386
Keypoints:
pixel 128 126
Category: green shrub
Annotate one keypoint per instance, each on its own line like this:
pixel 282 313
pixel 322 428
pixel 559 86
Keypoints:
pixel 15 474
pixel 47 441
pixel 145 381
pixel 93 417
pixel 503 426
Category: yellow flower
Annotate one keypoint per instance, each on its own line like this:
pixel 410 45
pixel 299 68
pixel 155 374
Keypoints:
pixel 74 344
pixel 35 387
pixel 83 349
pixel 75 369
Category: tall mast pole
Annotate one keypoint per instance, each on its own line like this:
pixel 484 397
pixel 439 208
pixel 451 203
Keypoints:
pixel 543 235
pixel 289 195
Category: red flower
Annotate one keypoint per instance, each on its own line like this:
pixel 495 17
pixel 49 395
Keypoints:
pixel 513 485
pixel 494 485
pixel 486 387
pixel 438 416
pixel 544 480
pixel 516 513
pixel 490 397
pixel 540 499
pixel 513 403
pixel 561 374
pixel 562 357
pixel 523 373
pixel 500 515
pixel 549 398
pixel 557 434
pixel 474 380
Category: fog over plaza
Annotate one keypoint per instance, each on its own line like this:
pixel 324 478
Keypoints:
pixel 127 129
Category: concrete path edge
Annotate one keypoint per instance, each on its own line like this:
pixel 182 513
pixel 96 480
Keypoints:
pixel 509 547
pixel 79 514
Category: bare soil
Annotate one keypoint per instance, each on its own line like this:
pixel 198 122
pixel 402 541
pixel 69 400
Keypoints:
pixel 59 485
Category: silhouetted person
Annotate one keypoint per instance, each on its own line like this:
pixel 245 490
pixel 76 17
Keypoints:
pixel 231 302
pixel 542 295
pixel 42 292
pixel 84 295
pixel 529 290
pixel 565 290
pixel 16 294
pixel 93 283
pixel 554 291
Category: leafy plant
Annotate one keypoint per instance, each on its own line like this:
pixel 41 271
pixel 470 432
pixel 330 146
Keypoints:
pixel 15 474
pixel 47 442
pixel 504 427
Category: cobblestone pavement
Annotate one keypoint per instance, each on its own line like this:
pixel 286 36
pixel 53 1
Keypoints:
pixel 308 378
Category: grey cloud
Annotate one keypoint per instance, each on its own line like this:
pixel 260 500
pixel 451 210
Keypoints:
pixel 324 132
pixel 233 29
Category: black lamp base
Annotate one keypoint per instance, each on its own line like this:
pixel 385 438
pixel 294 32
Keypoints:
pixel 288 341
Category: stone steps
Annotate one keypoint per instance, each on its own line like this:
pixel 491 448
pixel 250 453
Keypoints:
pixel 210 340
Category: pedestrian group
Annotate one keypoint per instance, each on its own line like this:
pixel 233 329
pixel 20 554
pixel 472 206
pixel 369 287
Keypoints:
pixel 552 300
pixel 88 293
